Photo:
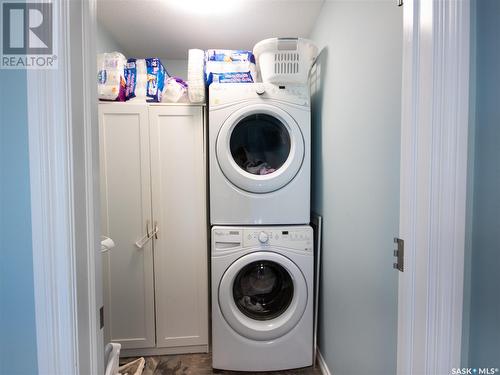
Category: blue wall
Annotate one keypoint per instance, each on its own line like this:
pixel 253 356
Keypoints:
pixel 17 311
pixel 356 113
pixel 484 325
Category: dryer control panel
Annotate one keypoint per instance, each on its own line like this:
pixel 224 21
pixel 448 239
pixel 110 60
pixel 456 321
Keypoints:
pixel 292 93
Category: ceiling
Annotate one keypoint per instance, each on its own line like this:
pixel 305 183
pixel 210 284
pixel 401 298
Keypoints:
pixel 168 28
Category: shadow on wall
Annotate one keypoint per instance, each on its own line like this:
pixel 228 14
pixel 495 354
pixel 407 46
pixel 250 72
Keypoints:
pixel 318 75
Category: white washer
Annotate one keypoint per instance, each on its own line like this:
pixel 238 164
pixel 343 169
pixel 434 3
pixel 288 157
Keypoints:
pixel 262 298
pixel 259 140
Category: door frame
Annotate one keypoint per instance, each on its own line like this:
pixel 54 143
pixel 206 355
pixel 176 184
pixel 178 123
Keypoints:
pixel 63 148
pixel 63 152
pixel 434 151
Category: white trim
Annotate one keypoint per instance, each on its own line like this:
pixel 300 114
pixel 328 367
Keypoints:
pixel 433 184
pixel 164 351
pixel 68 340
pixel 51 178
pixel 89 263
pixel 322 364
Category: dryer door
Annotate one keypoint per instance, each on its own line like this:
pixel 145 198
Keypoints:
pixel 263 295
pixel 260 148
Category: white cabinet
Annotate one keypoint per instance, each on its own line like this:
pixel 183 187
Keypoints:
pixel 153 174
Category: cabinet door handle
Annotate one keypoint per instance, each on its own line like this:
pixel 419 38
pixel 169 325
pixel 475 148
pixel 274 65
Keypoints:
pixel 156 230
pixel 144 240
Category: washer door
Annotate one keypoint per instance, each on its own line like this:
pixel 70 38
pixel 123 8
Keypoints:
pixel 263 295
pixel 260 148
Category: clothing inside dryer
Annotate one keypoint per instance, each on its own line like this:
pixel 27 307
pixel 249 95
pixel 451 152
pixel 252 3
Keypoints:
pixel 260 144
pixel 263 290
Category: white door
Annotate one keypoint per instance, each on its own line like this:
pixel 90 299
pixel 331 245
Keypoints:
pixel 178 167
pixel 125 215
pixel 260 148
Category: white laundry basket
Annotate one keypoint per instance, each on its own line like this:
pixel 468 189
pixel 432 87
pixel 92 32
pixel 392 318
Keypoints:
pixel 285 60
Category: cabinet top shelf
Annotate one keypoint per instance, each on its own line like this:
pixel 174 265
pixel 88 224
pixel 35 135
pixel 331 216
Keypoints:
pixel 155 104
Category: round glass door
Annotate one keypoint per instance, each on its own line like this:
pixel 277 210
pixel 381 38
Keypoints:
pixel 263 290
pixel 260 144
pixel 260 148
pixel 262 295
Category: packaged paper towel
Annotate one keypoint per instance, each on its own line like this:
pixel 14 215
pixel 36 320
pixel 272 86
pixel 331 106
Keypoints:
pixel 230 66
pixel 145 79
pixel 136 79
pixel 111 76
pixel 156 74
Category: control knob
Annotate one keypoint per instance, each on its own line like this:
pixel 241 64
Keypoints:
pixel 263 237
pixel 260 89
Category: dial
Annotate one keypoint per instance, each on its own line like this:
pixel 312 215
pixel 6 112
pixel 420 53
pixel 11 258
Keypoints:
pixel 263 237
pixel 260 89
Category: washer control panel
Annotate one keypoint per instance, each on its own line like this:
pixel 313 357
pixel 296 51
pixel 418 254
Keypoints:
pixel 300 238
pixel 296 237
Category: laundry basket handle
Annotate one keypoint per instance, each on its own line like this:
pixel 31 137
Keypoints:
pixel 287 44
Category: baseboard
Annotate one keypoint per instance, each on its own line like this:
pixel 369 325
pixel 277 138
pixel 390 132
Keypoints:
pixel 322 365
pixel 163 351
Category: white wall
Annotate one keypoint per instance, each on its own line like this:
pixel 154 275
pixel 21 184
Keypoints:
pixel 356 150
pixel 106 42
pixel 176 68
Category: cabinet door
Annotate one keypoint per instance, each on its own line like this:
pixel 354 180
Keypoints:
pixel 125 211
pixel 179 206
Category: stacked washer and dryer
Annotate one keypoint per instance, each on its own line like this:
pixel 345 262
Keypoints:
pixel 262 246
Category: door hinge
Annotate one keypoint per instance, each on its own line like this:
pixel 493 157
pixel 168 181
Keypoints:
pixel 399 253
pixel 101 317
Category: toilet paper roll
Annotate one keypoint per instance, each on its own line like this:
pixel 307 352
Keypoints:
pixel 108 91
pixel 141 67
pixel 196 93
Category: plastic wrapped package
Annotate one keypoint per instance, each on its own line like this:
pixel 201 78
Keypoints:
pixel 196 75
pixel 145 79
pixel 175 90
pixel 136 79
pixel 156 75
pixel 111 83
pixel 230 66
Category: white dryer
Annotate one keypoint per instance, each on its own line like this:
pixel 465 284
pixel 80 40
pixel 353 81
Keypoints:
pixel 260 147
pixel 262 298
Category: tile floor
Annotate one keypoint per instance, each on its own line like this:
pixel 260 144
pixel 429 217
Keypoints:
pixel 200 364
